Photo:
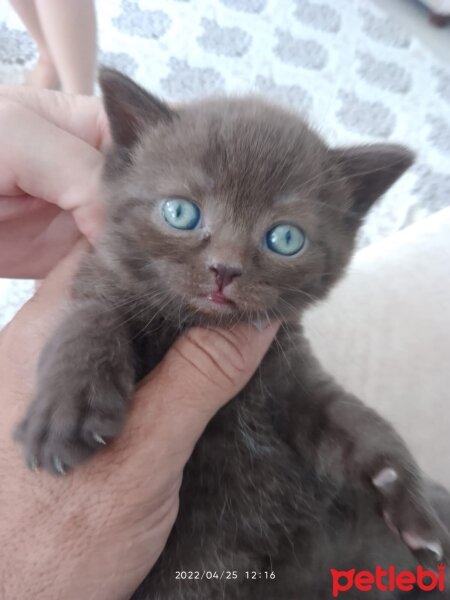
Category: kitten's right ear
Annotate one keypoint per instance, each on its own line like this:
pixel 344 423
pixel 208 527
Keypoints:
pixel 371 170
pixel 129 107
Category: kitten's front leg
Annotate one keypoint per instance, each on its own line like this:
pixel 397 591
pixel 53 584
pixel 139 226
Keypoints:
pixel 377 454
pixel 84 381
pixel 353 441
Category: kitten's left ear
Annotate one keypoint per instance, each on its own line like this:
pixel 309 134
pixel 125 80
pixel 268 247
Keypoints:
pixel 371 170
pixel 130 108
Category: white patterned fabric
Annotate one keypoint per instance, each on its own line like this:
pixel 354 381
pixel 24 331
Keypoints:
pixel 357 75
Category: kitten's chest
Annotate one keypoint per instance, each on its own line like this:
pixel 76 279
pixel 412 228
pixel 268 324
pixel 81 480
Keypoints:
pixel 150 347
pixel 244 481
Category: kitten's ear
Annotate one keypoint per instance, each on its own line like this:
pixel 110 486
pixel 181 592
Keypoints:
pixel 129 107
pixel 371 170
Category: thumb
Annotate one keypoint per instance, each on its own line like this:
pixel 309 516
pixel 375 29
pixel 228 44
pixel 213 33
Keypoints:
pixel 202 371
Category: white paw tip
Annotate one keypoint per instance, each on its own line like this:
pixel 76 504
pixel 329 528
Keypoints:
pixel 98 438
pixel 58 466
pixel 260 324
pixel 385 477
pixel 33 464
pixel 415 542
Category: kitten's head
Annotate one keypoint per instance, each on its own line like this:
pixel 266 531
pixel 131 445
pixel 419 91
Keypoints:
pixel 231 209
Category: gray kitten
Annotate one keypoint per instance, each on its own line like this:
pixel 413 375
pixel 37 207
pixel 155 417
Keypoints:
pixel 220 211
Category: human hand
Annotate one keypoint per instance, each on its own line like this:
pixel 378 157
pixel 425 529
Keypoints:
pixel 51 159
pixel 97 532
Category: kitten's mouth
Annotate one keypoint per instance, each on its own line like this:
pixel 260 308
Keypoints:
pixel 218 298
pixel 215 301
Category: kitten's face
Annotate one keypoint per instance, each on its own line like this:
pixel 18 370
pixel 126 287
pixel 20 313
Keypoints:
pixel 228 210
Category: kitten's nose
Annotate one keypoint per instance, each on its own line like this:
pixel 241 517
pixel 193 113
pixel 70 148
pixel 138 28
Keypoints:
pixel 225 274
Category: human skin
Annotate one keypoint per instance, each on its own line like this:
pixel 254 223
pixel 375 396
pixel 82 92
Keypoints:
pixel 65 34
pixel 96 532
pixel 46 206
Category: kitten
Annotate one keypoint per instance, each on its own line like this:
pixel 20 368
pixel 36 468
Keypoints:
pixel 220 211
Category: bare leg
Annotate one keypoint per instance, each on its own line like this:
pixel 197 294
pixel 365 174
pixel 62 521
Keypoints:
pixel 439 20
pixel 70 31
pixel 44 73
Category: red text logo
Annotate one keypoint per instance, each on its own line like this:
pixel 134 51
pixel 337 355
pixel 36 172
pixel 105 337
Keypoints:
pixel 387 580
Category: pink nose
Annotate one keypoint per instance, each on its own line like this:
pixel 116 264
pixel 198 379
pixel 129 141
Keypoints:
pixel 224 274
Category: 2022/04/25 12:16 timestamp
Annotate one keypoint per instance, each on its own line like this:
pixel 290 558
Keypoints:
pixel 230 575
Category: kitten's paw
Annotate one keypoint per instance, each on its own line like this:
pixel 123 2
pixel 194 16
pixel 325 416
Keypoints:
pixel 409 514
pixel 66 425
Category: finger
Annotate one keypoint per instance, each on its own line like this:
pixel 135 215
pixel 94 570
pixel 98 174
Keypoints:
pixel 14 207
pixel 35 241
pixel 60 168
pixel 202 371
pixel 82 116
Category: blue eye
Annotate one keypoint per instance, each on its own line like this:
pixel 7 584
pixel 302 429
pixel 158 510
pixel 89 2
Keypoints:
pixel 180 213
pixel 285 239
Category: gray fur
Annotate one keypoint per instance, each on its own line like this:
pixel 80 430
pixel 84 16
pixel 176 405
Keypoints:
pixel 290 476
